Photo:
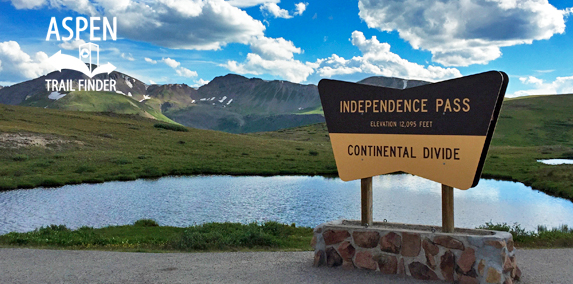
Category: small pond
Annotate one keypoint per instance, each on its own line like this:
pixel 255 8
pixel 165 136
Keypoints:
pixel 306 201
pixel 556 161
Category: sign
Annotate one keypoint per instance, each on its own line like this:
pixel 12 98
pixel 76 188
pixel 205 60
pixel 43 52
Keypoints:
pixel 86 60
pixel 439 131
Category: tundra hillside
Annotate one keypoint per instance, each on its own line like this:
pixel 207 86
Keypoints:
pixel 42 147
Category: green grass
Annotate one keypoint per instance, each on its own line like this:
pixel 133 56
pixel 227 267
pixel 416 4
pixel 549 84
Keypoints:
pixel 87 147
pixel 98 102
pixel 312 133
pixel 174 127
pixel 95 147
pixel 146 235
pixel 317 110
pixel 542 238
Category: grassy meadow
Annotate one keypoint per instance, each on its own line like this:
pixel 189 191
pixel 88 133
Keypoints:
pixel 147 236
pixel 44 147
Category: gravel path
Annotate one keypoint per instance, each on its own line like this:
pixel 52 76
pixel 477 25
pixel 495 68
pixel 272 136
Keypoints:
pixel 64 266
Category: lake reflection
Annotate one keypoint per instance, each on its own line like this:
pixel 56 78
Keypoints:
pixel 306 201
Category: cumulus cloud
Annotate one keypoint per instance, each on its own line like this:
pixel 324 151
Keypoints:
pixel 250 3
pixel 167 23
pixel 276 57
pixel 18 65
pixel 80 6
pixel 127 56
pixel 273 56
pixel 461 33
pixel 149 60
pixel 28 4
pixel 200 82
pixel 171 62
pixel 274 10
pixel 289 69
pixel 181 71
pixel 187 24
pixel 377 59
pixel 184 72
pixel 274 48
pixel 300 8
pixel 531 80
pixel 561 85
pixel 71 45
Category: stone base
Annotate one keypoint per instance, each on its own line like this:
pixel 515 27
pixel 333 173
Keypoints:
pixel 421 252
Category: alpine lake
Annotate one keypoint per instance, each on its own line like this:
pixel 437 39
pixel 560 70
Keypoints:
pixel 303 200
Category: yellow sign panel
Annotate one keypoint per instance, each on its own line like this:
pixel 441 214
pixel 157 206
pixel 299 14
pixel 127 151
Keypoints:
pixel 439 131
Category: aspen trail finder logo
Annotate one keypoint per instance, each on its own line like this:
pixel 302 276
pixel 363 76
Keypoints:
pixel 87 61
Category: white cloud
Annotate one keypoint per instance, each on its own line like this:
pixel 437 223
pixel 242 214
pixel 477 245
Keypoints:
pixel 250 3
pixel 80 6
pixel 114 5
pixel 200 82
pixel 181 71
pixel 274 48
pixel 127 56
pixel 170 62
pixel 166 23
pixel 276 57
pixel 28 4
pixel 561 85
pixel 184 72
pixel 289 69
pixel 377 59
pixel 300 8
pixel 185 24
pixel 71 45
pixel 273 56
pixel 152 82
pixel 271 8
pixel 461 33
pixel 149 60
pixel 275 11
pixel 18 65
pixel 531 80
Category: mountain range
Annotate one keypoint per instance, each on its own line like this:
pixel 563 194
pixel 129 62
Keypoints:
pixel 230 103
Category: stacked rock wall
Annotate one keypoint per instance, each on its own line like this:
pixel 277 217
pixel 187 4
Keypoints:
pixel 422 252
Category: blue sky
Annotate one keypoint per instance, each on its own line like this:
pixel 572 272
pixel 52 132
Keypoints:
pixel 193 41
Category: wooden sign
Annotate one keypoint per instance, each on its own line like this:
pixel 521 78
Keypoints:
pixel 439 131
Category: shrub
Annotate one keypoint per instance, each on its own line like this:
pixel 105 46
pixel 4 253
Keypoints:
pixel 20 158
pixel 313 153
pixel 51 182
pixel 84 169
pixel 173 127
pixel 219 236
pixel 146 223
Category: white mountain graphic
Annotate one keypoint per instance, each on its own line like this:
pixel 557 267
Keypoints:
pixel 63 61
